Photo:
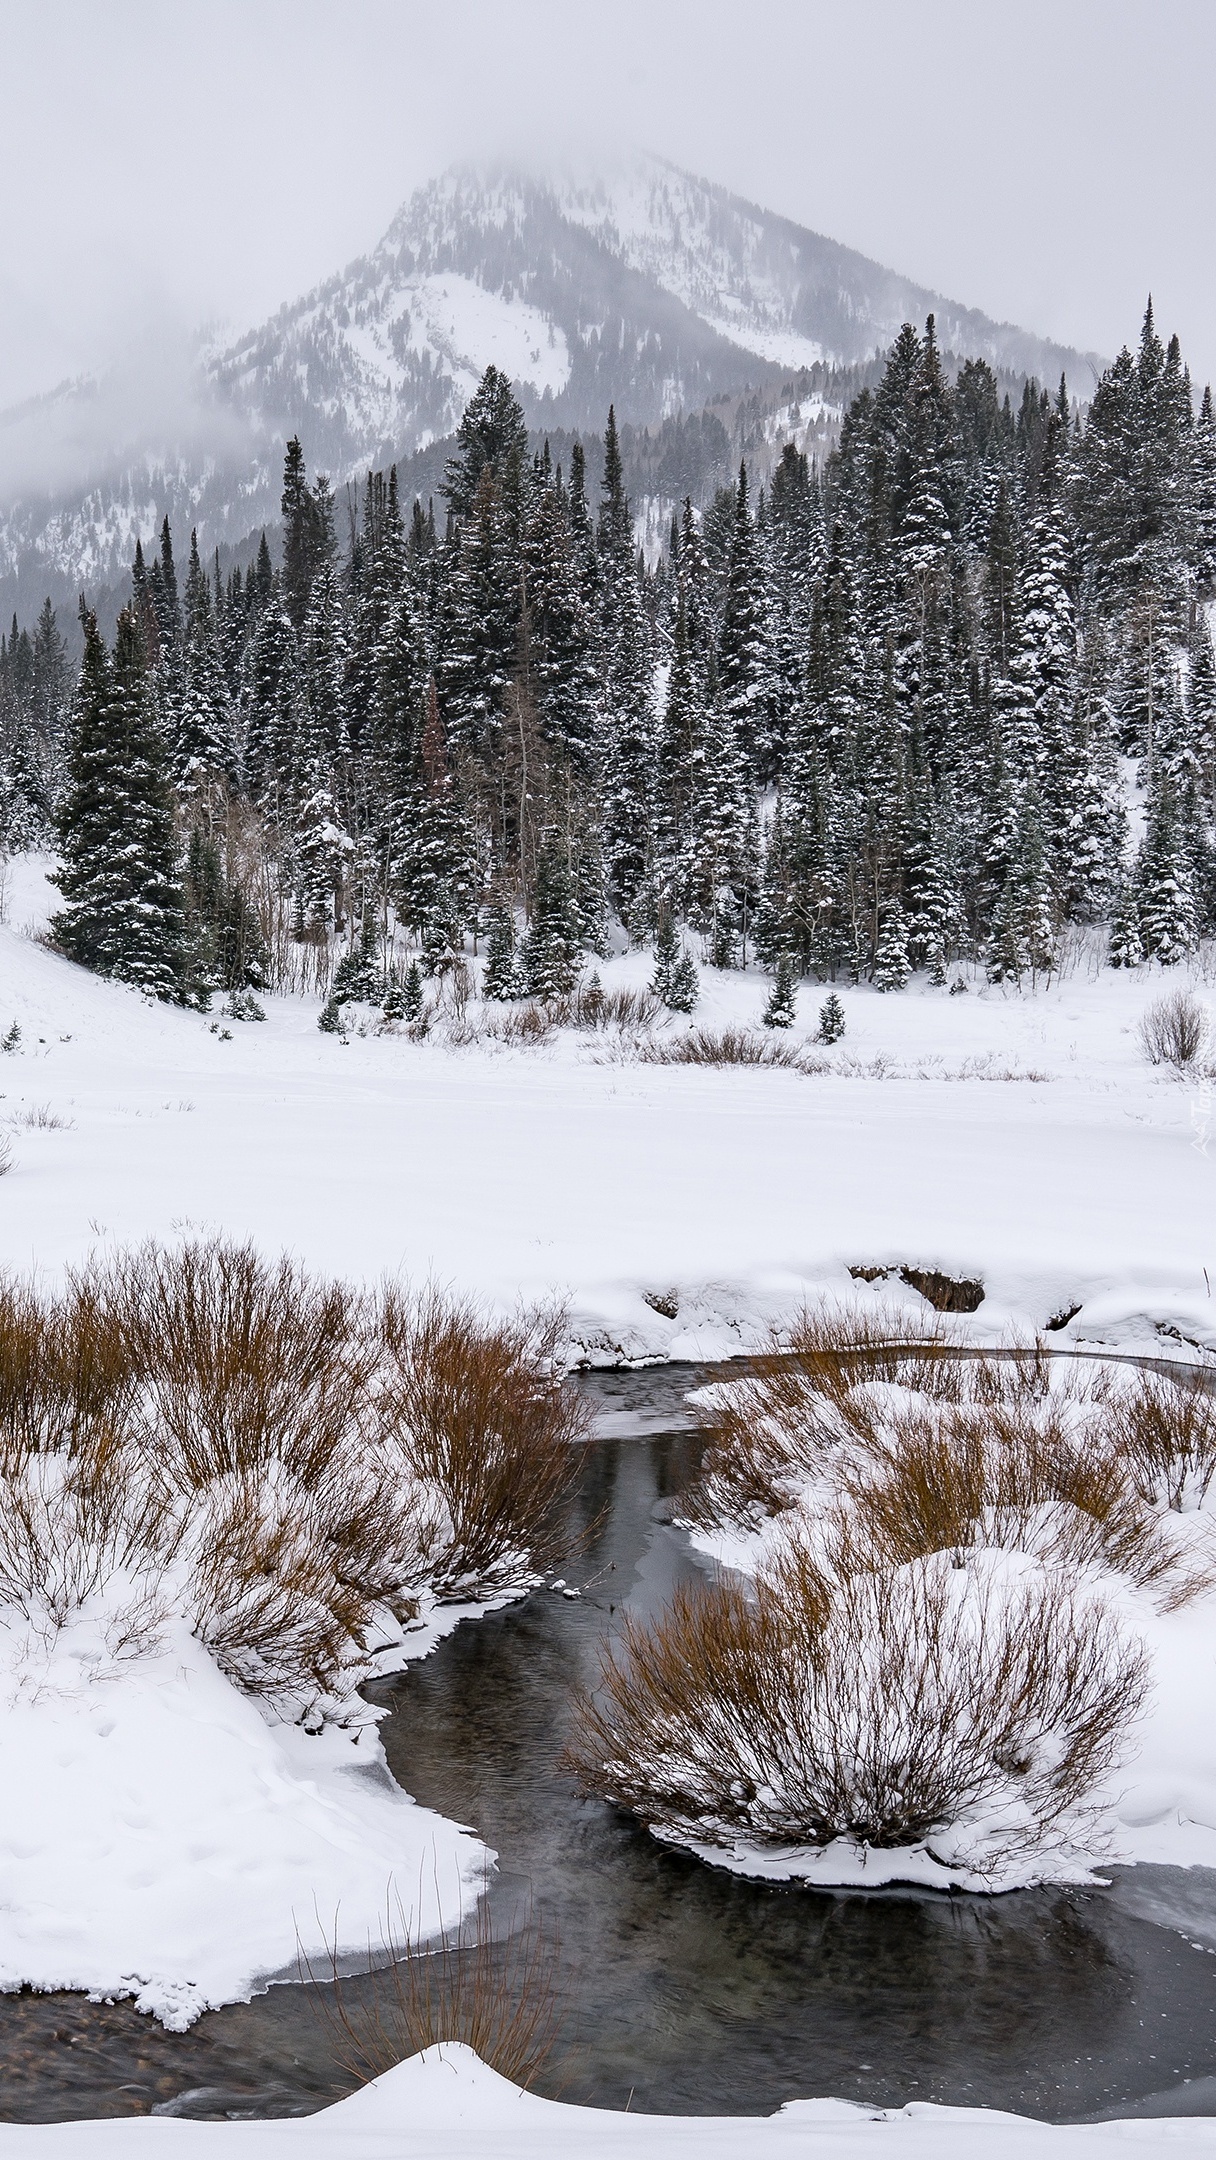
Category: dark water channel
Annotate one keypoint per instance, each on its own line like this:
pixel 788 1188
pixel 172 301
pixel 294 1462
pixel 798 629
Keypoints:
pixel 685 1989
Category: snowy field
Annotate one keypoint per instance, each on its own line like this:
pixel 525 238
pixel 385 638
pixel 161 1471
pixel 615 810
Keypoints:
pixel 1018 1139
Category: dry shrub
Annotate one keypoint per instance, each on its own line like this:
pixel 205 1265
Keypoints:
pixel 258 1407
pixel 1165 1428
pixel 529 1025
pixel 727 1046
pixel 1173 1029
pixel 6 1154
pixel 264 1593
pixel 994 1448
pixel 591 1006
pixel 246 1362
pixel 498 1997
pixel 65 1370
pixel 80 1527
pixel 1019 1477
pixel 767 1434
pixel 886 1709
pixel 475 1410
pixel 295 1455
pixel 40 1117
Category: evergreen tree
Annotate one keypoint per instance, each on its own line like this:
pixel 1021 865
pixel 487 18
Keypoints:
pixel 744 656
pixel 122 914
pixel 831 1019
pixel 892 966
pixel 782 1007
pixel 503 978
pixel 552 956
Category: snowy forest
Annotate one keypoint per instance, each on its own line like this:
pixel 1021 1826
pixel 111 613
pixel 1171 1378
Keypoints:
pixel 941 700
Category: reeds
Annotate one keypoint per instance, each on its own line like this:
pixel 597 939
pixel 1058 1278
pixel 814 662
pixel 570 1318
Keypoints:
pixel 496 1995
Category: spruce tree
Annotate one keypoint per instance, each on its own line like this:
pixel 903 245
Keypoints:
pixel 831 1019
pixel 892 966
pixel 552 956
pixel 781 1009
pixel 123 913
pixel 503 978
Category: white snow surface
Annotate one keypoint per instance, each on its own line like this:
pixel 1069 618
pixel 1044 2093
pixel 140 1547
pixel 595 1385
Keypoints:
pixel 159 1839
pixel 680 1212
pixel 1018 1139
pixel 446 2105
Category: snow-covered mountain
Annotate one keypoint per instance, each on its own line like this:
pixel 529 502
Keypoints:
pixel 648 288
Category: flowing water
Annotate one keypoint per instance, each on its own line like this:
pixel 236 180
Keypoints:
pixel 683 1988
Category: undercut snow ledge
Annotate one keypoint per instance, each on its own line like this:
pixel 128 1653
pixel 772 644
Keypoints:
pixel 160 1839
pixel 446 2105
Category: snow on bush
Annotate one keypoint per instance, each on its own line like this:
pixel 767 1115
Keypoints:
pixel 935 1640
pixel 930 1703
pixel 276 1459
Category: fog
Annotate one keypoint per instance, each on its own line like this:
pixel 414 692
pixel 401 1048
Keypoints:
pixel 166 165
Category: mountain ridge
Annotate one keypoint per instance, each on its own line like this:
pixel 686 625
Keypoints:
pixel 646 287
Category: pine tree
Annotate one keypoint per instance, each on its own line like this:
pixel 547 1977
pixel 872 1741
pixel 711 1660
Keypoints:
pixel 122 913
pixel 359 977
pixel 831 1019
pixel 503 978
pixel 744 657
pixel 782 1008
pixel 1169 925
pixel 552 957
pixel 892 966
pixel 491 435
pixel 1126 948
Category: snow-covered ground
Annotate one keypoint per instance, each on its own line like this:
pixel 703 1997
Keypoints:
pixel 679 1212
pixel 1018 1139
pixel 445 2105
pixel 160 1838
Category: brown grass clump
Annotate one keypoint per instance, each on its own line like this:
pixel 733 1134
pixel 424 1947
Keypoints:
pixel 287 1457
pixel 727 1046
pixel 245 1362
pixel 766 1435
pixel 1013 1476
pixel 65 1370
pixel 880 1708
pixel 475 1410
pixel 498 1997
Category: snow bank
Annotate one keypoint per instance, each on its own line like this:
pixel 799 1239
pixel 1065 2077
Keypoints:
pixel 446 2105
pixel 159 1838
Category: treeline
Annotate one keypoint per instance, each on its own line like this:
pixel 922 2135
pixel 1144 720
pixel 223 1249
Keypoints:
pixel 873 719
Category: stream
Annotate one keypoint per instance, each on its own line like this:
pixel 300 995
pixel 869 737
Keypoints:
pixel 682 1988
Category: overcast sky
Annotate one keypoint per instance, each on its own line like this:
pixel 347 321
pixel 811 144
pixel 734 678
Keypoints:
pixel 169 161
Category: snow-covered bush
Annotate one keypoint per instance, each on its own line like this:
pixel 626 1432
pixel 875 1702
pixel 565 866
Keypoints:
pixel 1166 1432
pixel 274 1458
pixel 1174 1029
pixel 892 1709
pixel 934 1639
pixel 895 1448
